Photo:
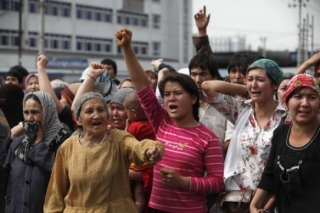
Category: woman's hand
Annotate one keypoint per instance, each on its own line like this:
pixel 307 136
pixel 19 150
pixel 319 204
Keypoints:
pixel 154 154
pixel 171 178
pixel 96 69
pixel 42 61
pixel 202 21
pixel 124 37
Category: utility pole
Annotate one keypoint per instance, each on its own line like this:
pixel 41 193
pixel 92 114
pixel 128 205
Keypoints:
pixel 264 42
pixel 306 55
pixel 299 52
pixel 20 33
pixel 41 27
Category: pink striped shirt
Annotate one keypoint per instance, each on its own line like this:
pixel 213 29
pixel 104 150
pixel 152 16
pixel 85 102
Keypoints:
pixel 190 151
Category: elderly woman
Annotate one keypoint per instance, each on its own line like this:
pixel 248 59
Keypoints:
pixel 292 172
pixel 30 158
pixel 91 169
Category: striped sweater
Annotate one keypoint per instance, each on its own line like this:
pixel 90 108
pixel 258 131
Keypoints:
pixel 190 151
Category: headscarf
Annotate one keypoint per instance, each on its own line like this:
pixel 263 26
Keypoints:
pixel 82 99
pixel 70 91
pixel 28 78
pixel 11 103
pixel 120 95
pixel 271 67
pixel 301 80
pixel 50 125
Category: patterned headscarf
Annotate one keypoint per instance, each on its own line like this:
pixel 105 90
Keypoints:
pixel 301 80
pixel 50 124
pixel 82 99
pixel 271 67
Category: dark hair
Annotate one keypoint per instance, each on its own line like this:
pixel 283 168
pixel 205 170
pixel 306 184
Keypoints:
pixel 20 69
pixel 116 81
pixel 14 74
pixel 33 97
pixel 110 62
pixel 242 61
pixel 187 84
pixel 292 94
pixel 288 75
pixel 205 61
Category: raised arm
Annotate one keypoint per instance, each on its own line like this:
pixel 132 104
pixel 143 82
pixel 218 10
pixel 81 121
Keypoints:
pixel 135 70
pixel 212 88
pixel 308 63
pixel 201 42
pixel 44 82
pixel 96 69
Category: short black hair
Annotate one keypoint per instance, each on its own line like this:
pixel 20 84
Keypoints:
pixel 187 84
pixel 242 61
pixel 14 74
pixel 205 61
pixel 111 62
pixel 21 70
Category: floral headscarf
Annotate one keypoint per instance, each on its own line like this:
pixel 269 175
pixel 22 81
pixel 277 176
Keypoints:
pixel 302 80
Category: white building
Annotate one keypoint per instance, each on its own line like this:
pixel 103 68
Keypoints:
pixel 78 32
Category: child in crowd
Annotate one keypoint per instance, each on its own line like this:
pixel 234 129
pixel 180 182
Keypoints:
pixel 141 128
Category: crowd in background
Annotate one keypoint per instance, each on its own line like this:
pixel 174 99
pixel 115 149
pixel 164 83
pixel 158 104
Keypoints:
pixel 161 140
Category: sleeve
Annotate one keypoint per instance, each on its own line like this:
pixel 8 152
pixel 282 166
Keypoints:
pixel 267 182
pixel 135 151
pixel 58 185
pixel 228 106
pixel 65 116
pixel 213 161
pixel 229 131
pixel 153 109
pixel 43 156
pixel 202 44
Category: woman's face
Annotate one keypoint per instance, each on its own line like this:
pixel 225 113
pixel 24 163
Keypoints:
pixel 33 84
pixel 126 84
pixel 153 79
pixel 177 100
pixel 282 90
pixel 118 116
pixel 32 111
pixel 259 86
pixel 304 106
pixel 93 116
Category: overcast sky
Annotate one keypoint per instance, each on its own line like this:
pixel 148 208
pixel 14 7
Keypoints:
pixel 272 19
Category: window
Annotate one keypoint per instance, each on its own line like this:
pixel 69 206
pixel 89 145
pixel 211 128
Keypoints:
pixel 134 19
pixel 79 45
pixel 9 38
pixel 32 42
pixel 66 45
pixel 140 48
pixel 79 13
pixel 10 5
pixel 94 13
pixel 89 44
pixel 33 7
pixel 57 42
pixel 15 41
pixel 156 49
pixel 98 16
pixel 4 40
pixel 156 21
pixel 53 8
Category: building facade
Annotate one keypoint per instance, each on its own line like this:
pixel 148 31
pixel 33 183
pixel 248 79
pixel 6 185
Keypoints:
pixel 77 32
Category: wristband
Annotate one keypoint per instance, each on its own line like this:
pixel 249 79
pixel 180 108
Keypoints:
pixel 91 77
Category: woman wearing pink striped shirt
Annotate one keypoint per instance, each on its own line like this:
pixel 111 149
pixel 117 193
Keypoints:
pixel 191 149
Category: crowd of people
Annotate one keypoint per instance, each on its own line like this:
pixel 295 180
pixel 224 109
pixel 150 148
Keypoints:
pixel 161 141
